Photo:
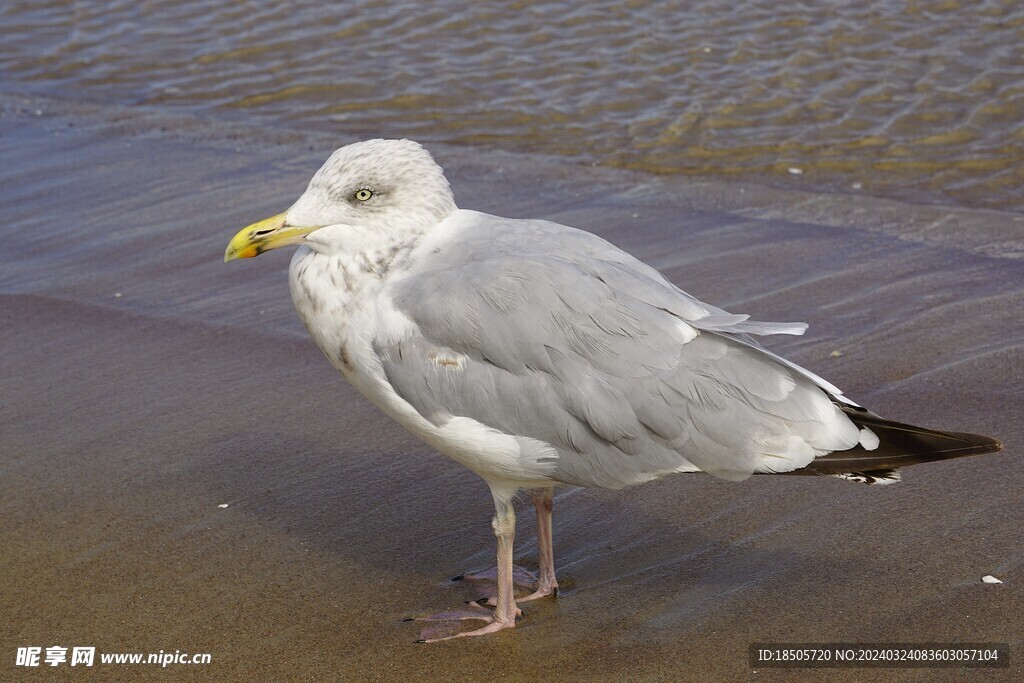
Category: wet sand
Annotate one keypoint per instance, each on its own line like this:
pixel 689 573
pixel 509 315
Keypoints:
pixel 145 383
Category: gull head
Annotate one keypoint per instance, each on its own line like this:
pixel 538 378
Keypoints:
pixel 363 190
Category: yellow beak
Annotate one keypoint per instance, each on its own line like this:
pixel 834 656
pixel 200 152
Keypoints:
pixel 265 235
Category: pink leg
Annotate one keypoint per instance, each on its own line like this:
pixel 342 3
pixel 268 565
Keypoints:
pixel 505 611
pixel 546 582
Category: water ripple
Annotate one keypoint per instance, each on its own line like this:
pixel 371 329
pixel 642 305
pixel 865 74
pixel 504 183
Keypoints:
pixel 918 100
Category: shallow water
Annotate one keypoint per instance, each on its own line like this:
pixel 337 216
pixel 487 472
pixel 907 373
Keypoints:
pixel 922 101
pixel 146 385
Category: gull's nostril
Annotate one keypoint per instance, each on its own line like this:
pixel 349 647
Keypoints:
pixel 262 232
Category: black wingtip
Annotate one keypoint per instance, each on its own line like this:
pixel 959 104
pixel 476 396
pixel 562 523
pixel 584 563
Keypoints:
pixel 900 445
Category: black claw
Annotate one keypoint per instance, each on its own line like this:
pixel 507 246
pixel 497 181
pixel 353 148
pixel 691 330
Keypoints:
pixel 460 577
pixel 418 641
pixel 409 619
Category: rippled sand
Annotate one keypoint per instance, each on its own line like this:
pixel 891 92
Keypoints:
pixel 920 101
pixel 146 384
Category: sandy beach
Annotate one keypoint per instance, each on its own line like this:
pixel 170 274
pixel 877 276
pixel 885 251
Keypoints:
pixel 180 468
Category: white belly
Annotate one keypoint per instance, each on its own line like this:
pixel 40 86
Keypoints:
pixel 344 320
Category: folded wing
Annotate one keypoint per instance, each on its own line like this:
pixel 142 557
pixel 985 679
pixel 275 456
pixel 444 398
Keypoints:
pixel 555 336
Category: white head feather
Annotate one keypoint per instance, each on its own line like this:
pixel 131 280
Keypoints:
pixel 408 194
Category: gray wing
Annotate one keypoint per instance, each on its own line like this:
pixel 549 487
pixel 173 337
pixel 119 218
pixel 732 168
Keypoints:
pixel 550 333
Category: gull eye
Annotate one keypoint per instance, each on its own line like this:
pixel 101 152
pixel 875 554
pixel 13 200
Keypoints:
pixel 363 194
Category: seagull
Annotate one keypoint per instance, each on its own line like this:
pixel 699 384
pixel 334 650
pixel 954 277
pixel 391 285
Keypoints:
pixel 539 355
